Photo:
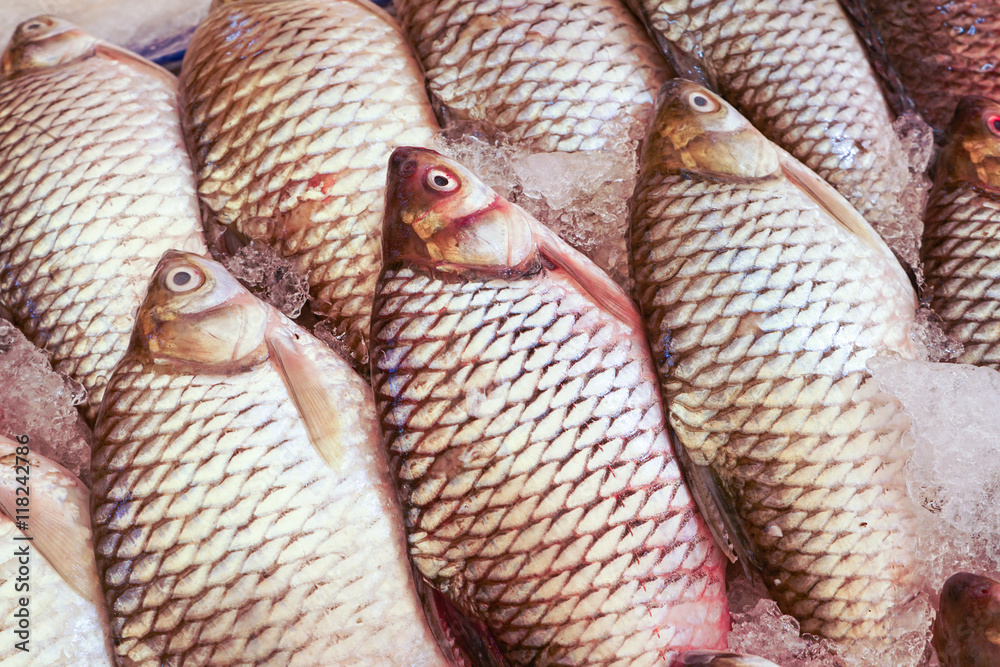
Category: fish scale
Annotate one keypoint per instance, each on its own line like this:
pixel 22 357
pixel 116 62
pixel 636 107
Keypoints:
pixel 960 254
pixel 763 315
pixel 798 72
pixel 95 184
pixel 292 110
pixel 221 536
pixel 539 485
pixel 556 76
pixel 943 51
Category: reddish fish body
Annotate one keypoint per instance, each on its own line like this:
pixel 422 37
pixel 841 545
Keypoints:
pixel 519 403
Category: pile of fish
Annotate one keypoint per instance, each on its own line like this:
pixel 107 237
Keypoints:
pixel 425 429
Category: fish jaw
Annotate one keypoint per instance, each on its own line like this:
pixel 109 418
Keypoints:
pixel 972 152
pixel 695 130
pixel 44 42
pixel 440 214
pixel 967 628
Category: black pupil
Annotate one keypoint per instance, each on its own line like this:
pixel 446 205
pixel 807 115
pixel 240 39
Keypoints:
pixel 182 278
pixel 440 181
pixel 996 124
pixel 700 101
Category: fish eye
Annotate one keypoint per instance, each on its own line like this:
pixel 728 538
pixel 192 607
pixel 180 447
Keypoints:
pixel 994 124
pixel 441 181
pixel 699 101
pixel 183 279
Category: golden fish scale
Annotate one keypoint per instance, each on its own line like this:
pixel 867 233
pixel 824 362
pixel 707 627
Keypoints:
pixel 762 316
pixel 961 254
pixel 943 51
pixel 558 76
pixel 292 110
pixel 798 72
pixel 222 538
pixel 539 488
pixel 95 185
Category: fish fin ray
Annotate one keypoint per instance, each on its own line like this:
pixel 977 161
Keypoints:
pixel 591 279
pixel 459 636
pixel 311 398
pixel 59 525
pixel 831 201
pixel 715 502
pixel 136 62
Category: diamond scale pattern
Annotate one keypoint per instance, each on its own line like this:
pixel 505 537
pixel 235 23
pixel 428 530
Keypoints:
pixel 223 538
pixel 556 76
pixel 761 335
pixel 797 71
pixel 292 111
pixel 539 485
pixel 95 185
pixel 961 254
pixel 939 52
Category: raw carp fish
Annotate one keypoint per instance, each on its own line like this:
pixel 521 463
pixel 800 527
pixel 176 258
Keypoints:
pixel 45 528
pixel 764 295
pixel 552 76
pixel 961 249
pixel 243 510
pixel 521 411
pixel 95 184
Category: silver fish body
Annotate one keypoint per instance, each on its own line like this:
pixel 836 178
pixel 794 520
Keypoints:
pixel 526 432
pixel 292 109
pixel 553 76
pixel 95 184
pixel 762 309
pixel 243 512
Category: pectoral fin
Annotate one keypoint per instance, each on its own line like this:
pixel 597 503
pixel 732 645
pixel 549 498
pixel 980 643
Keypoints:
pixel 58 524
pixel 715 502
pixel 827 198
pixel 312 399
pixel 601 289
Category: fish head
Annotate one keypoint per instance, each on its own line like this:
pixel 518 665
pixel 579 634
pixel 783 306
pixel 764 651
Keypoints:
pixel 439 214
pixel 196 314
pixel 972 151
pixel 696 131
pixel 967 628
pixel 43 42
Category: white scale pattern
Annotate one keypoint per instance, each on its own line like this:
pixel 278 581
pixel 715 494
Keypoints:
pixel 95 185
pixel 539 485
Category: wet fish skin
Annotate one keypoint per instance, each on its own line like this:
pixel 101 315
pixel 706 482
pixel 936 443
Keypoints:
pixel 942 50
pixel 526 433
pixel 549 75
pixel 62 582
pixel 961 247
pixel 967 627
pixel 798 72
pixel 95 184
pixel 762 309
pixel 228 528
pixel 291 112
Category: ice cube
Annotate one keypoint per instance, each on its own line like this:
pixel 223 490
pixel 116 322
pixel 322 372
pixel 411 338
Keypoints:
pixel 38 402
pixel 270 276
pixel 953 475
pixel 582 196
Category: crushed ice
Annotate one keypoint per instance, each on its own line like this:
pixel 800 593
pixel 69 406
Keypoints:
pixel 39 402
